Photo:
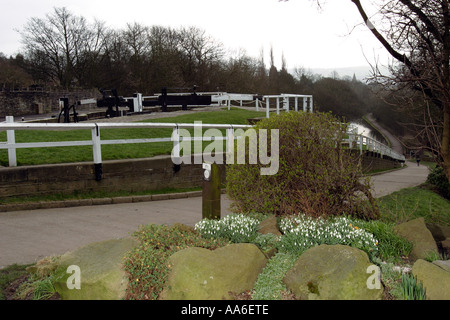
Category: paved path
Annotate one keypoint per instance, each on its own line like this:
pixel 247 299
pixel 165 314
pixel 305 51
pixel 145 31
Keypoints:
pixel 28 236
pixel 411 176
pixel 396 144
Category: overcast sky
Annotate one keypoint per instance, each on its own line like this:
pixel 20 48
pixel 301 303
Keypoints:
pixel 308 37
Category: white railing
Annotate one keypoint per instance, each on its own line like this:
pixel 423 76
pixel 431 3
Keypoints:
pixel 96 142
pixel 307 101
pixel 355 140
pixel 365 143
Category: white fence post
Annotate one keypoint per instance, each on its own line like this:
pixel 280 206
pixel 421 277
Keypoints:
pixel 230 146
pixel 97 152
pixel 176 146
pixel 11 141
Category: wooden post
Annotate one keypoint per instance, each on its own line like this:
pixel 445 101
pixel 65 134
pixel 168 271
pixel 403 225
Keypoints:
pixel 211 191
pixel 97 152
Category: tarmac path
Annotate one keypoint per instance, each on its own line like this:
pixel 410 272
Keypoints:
pixel 396 145
pixel 28 236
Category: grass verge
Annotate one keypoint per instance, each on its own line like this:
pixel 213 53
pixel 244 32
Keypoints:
pixel 411 203
pixel 92 195
pixel 36 156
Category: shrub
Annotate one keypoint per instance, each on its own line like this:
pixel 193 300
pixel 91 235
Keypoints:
pixel 438 178
pixel 317 175
pixel 390 246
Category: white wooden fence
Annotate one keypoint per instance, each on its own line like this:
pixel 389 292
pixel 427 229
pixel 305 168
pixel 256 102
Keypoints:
pixel 360 142
pixel 307 102
pixel 365 143
pixel 96 142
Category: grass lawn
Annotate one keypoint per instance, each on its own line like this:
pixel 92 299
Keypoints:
pixel 415 202
pixel 37 156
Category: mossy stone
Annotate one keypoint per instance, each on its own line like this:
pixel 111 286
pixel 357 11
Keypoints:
pixel 202 274
pixel 101 271
pixel 332 272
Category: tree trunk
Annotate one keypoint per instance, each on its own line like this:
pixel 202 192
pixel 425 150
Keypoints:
pixel 445 148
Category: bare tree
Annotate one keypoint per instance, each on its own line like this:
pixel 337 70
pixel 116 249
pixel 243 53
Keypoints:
pixel 61 43
pixel 416 33
pixel 201 55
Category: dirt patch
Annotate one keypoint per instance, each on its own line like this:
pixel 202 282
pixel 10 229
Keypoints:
pixel 11 292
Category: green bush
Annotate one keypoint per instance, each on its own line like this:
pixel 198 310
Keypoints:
pixel 317 174
pixel 391 246
pixel 438 178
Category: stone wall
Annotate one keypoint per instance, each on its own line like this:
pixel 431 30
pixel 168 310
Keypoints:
pixel 119 175
pixel 22 103
pixel 373 162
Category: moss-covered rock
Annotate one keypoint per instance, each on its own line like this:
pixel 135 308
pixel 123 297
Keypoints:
pixel 416 232
pixel 435 280
pixel 439 232
pixel 332 272
pixel 101 273
pixel 269 225
pixel 202 274
pixel 444 264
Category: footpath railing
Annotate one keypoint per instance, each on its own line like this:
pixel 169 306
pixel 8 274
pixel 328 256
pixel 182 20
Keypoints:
pixel 359 142
pixel 364 143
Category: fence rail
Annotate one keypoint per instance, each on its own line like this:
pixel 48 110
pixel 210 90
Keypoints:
pixel 361 142
pixel 365 143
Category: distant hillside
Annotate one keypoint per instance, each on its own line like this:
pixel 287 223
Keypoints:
pixel 361 72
